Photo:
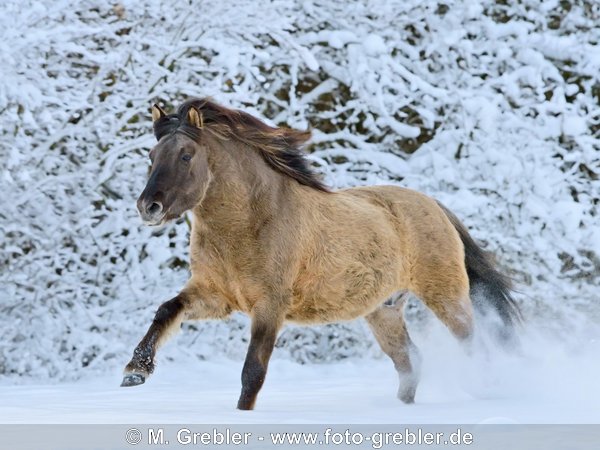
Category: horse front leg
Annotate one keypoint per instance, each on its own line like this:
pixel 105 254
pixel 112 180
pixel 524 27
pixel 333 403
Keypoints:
pixel 190 304
pixel 265 326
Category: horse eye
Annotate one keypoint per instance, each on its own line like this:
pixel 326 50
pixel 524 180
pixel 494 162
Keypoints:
pixel 186 157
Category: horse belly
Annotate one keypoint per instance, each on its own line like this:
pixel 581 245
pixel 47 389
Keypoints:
pixel 353 293
pixel 353 262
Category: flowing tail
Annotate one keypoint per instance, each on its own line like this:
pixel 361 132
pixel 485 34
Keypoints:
pixel 490 290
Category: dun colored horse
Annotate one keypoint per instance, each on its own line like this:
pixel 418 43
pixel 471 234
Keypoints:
pixel 269 239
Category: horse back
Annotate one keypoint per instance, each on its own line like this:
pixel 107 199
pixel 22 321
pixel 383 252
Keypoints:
pixel 433 257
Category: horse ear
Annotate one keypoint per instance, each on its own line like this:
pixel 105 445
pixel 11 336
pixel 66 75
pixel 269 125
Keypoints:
pixel 195 118
pixel 157 112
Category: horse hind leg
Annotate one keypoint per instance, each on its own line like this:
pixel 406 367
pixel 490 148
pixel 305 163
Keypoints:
pixel 447 294
pixel 387 324
pixel 457 314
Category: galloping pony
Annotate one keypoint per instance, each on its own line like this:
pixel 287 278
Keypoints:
pixel 269 239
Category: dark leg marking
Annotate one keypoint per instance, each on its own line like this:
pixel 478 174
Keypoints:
pixel 142 363
pixel 254 372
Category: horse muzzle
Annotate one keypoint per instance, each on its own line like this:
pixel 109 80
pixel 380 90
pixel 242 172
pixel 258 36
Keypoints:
pixel 151 211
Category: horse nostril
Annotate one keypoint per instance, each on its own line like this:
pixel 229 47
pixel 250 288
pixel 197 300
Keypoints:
pixel 154 208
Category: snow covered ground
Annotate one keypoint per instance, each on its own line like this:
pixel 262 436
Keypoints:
pixel 550 383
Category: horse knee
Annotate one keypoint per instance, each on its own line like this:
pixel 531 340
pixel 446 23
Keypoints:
pixel 168 310
pixel 168 318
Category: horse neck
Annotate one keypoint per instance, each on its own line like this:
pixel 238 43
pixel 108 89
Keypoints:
pixel 243 191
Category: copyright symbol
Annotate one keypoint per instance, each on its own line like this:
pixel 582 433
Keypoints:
pixel 133 436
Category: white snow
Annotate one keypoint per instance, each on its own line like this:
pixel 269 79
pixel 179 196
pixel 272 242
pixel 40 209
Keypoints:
pixel 496 118
pixel 551 384
pixel 374 45
pixel 574 125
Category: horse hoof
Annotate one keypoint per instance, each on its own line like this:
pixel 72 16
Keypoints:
pixel 133 379
pixel 407 395
pixel 407 400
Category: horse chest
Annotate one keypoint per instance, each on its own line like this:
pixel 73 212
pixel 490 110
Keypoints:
pixel 233 282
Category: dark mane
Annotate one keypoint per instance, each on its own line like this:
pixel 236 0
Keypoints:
pixel 281 148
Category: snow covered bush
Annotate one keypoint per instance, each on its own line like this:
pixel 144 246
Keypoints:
pixel 493 107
